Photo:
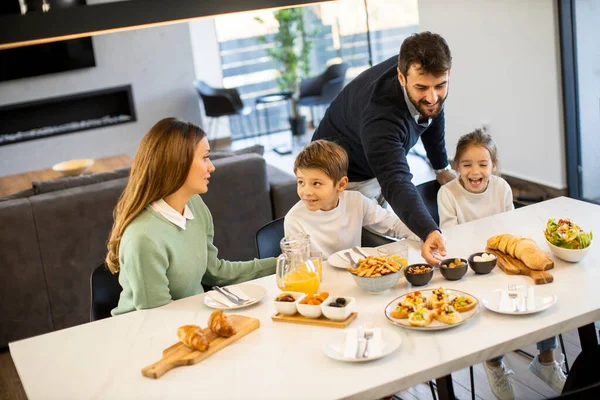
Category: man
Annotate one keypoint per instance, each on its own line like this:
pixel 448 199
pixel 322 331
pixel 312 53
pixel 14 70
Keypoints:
pixel 379 117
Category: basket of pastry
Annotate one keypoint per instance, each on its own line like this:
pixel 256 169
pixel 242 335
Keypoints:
pixel 197 343
pixel 376 274
pixel 432 309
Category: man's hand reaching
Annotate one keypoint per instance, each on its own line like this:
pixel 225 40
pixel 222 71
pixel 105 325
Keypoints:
pixel 445 176
pixel 434 248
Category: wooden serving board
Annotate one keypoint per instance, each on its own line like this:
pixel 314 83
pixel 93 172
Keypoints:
pixel 180 354
pixel 321 321
pixel 514 266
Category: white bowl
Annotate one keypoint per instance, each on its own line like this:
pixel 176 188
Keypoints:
pixel 338 313
pixel 570 255
pixel 309 310
pixel 287 307
pixel 73 167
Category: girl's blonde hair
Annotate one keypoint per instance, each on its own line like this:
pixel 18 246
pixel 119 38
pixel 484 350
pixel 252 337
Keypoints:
pixel 160 168
pixel 479 137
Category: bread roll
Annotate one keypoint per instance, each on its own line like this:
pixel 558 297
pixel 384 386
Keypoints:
pixel 524 249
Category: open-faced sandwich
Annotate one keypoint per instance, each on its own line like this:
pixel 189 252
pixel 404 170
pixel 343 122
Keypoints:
pixel 437 299
pixel 415 299
pixel 447 314
pixel 402 311
pixel 421 317
pixel 463 303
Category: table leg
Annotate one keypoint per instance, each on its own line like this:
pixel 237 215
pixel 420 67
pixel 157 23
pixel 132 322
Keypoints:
pixel 445 388
pixel 587 337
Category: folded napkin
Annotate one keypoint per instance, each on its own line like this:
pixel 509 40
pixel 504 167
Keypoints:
pixel 351 342
pixel 505 304
pixel 354 348
pixel 375 343
pixel 218 297
pixel 531 298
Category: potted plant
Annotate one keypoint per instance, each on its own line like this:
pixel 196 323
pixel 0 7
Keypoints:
pixel 291 54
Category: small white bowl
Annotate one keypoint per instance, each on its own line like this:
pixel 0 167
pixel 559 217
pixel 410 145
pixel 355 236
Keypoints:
pixel 570 255
pixel 288 307
pixel 309 310
pixel 73 167
pixel 338 313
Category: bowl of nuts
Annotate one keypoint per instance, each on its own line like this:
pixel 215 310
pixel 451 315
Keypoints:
pixel 418 274
pixel 482 263
pixel 377 274
pixel 453 269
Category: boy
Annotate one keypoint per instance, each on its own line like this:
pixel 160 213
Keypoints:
pixel 331 216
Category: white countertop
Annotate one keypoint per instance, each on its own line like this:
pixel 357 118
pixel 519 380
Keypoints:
pixel 103 359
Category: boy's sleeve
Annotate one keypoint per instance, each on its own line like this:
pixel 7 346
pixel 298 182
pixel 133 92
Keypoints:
pixel 222 272
pixel 291 225
pixel 383 221
pixel 145 266
pixel 446 208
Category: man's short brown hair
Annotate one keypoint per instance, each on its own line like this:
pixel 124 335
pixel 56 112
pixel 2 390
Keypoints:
pixel 329 157
pixel 429 50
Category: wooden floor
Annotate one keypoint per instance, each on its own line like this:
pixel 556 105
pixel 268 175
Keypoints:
pixel 526 385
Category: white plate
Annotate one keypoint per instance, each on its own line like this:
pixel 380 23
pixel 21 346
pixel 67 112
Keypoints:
pixel 334 346
pixel 339 260
pixel 435 325
pixel 492 303
pixel 254 292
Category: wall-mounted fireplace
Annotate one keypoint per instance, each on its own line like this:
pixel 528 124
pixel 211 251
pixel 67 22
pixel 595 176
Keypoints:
pixel 66 114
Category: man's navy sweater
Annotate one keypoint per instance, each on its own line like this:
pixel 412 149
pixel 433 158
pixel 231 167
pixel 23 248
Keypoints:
pixel 370 119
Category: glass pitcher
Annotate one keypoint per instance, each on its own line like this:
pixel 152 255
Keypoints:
pixel 296 271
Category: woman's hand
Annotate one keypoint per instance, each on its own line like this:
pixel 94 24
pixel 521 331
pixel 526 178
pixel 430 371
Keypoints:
pixel 434 248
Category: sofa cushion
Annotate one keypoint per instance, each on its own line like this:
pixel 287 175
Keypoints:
pixel 256 149
pixel 19 195
pixel 67 182
pixel 283 191
pixel 238 199
pixel 73 226
pixel 24 303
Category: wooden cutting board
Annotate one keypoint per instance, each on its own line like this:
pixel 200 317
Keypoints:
pixel 179 354
pixel 514 266
pixel 321 321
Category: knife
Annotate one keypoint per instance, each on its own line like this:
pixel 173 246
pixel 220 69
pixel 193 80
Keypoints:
pixel 228 296
pixel 359 251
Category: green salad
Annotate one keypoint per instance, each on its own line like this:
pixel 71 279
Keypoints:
pixel 567 234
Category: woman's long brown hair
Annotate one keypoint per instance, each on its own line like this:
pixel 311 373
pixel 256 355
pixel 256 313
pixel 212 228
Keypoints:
pixel 160 168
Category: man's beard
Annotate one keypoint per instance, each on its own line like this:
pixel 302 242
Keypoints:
pixel 420 106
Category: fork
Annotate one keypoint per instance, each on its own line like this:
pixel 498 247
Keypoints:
pixel 512 293
pixel 369 332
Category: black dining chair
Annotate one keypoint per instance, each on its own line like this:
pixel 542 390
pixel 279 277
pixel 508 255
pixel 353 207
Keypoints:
pixel 268 238
pixel 105 290
pixel 221 102
pixel 583 382
pixel 323 88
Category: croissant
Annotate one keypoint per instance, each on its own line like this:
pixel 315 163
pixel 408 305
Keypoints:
pixel 524 249
pixel 220 324
pixel 192 336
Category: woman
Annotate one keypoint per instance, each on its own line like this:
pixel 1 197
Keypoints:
pixel 161 241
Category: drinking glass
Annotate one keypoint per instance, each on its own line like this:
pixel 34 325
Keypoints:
pixel 317 258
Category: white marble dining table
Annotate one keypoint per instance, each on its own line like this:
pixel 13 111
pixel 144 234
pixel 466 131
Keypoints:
pixel 104 359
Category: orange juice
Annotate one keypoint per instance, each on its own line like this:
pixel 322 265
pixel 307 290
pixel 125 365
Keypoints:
pixel 301 281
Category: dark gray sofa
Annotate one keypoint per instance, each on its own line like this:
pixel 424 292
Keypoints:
pixel 53 238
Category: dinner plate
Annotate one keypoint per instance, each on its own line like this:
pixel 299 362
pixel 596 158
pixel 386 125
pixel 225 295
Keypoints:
pixel 339 260
pixel 334 346
pixel 493 302
pixel 435 325
pixel 254 292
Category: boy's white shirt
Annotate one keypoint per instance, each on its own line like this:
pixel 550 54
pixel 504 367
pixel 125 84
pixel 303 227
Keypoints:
pixel 456 205
pixel 340 228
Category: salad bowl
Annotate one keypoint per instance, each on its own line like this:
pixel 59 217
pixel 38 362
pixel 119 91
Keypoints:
pixel 567 240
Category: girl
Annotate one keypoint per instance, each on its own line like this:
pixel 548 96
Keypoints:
pixel 477 193
pixel 161 240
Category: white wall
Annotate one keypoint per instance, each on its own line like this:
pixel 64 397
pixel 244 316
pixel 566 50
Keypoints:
pixel 157 62
pixel 505 73
pixel 587 15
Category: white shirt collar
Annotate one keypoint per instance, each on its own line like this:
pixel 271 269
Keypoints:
pixel 414 113
pixel 164 209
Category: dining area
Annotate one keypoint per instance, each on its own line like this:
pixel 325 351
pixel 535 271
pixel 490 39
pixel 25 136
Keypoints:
pixel 278 359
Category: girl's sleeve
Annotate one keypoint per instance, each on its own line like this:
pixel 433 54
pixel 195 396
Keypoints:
pixel 446 209
pixel 145 266
pixel 508 197
pixel 222 272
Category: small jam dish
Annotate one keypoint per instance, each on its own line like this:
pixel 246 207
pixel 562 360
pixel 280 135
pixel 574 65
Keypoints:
pixel 288 307
pixel 338 313
pixel 310 310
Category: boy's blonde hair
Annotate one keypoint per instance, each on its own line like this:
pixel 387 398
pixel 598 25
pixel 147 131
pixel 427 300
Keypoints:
pixel 329 157
pixel 479 137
